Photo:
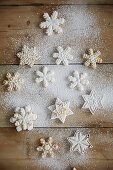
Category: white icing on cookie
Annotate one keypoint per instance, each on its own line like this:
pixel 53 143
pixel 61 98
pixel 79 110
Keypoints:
pixel 92 58
pixel 63 55
pixel 28 56
pixel 47 147
pixel 93 101
pixel 79 142
pixel 78 80
pixel 13 81
pixel 52 23
pixel 23 118
pixel 45 77
pixel 60 110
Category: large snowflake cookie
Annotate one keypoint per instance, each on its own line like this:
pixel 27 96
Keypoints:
pixel 93 101
pixel 28 56
pixel 63 55
pixel 60 110
pixel 52 23
pixel 78 80
pixel 45 77
pixel 47 147
pixel 92 58
pixel 13 81
pixel 23 118
pixel 79 142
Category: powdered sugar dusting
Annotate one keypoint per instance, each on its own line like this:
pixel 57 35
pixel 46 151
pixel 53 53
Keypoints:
pixel 80 31
pixel 40 98
pixel 64 159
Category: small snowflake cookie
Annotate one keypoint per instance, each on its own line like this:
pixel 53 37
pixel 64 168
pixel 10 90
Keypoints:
pixel 47 147
pixel 93 101
pixel 23 118
pixel 63 55
pixel 79 142
pixel 78 80
pixel 28 56
pixel 52 23
pixel 13 82
pixel 92 58
pixel 60 110
pixel 45 77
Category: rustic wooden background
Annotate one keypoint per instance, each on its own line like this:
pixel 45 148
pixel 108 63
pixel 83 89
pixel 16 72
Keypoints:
pixel 18 150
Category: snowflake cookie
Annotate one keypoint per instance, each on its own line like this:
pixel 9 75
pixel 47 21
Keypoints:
pixel 28 56
pixel 45 76
pixel 79 142
pixel 47 147
pixel 60 110
pixel 63 55
pixel 92 58
pixel 52 23
pixel 74 169
pixel 93 101
pixel 23 118
pixel 13 81
pixel 78 80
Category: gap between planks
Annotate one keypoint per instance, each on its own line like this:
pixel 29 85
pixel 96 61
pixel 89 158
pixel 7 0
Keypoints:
pixel 34 4
pixel 54 64
pixel 78 127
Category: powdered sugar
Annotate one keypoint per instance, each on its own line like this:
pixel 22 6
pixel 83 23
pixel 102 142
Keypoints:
pixel 40 98
pixel 80 31
pixel 64 159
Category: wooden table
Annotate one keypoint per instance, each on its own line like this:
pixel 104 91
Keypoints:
pixel 19 22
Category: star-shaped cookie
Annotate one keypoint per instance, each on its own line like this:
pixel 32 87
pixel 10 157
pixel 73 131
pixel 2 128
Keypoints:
pixel 93 101
pixel 79 142
pixel 60 110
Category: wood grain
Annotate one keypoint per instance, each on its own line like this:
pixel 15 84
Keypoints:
pixel 19 25
pixel 24 29
pixel 32 165
pixel 57 2
pixel 22 147
pixel 40 98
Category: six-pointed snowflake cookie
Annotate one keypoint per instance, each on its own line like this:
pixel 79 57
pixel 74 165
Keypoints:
pixel 52 23
pixel 60 110
pixel 45 77
pixel 13 81
pixel 92 58
pixel 23 118
pixel 47 147
pixel 79 142
pixel 28 56
pixel 78 80
pixel 93 101
pixel 63 55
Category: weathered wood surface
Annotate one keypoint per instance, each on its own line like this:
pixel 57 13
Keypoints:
pixel 40 98
pixel 93 30
pixel 57 2
pixel 21 147
pixel 19 25
pixel 13 164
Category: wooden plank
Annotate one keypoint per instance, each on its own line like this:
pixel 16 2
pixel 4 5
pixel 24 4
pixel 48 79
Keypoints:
pixel 85 27
pixel 98 157
pixel 40 98
pixel 13 146
pixel 32 165
pixel 47 2
pixel 17 17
